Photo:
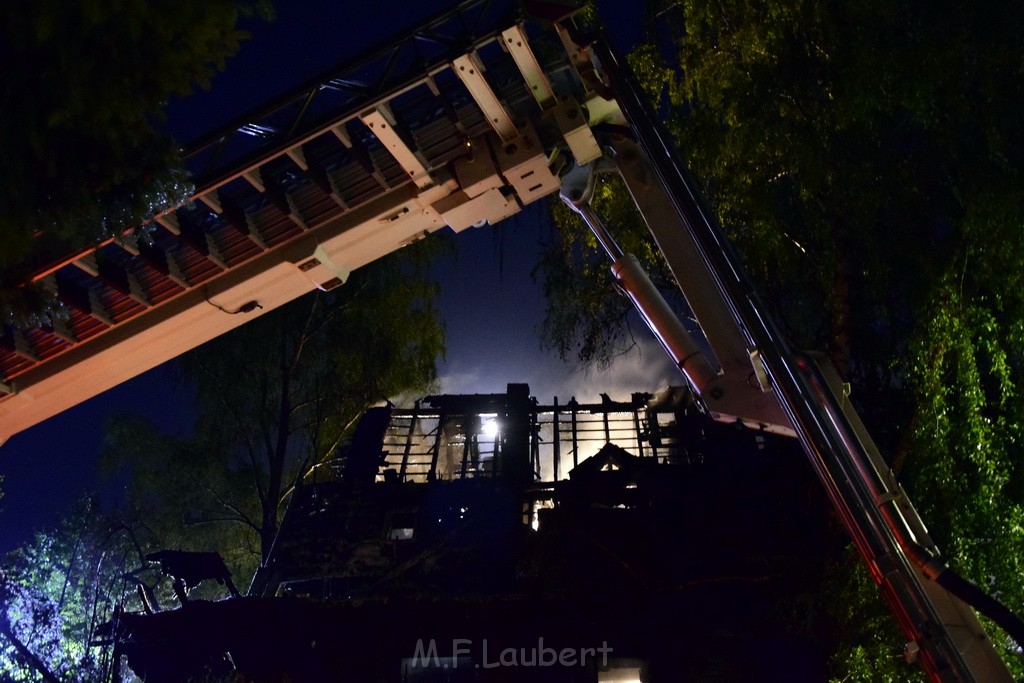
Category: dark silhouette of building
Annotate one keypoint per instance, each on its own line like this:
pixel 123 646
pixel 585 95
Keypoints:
pixel 489 538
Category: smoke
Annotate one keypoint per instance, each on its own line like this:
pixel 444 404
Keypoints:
pixel 646 367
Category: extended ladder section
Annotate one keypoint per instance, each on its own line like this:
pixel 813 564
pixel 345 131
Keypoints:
pixel 429 133
pixel 436 130
pixel 422 135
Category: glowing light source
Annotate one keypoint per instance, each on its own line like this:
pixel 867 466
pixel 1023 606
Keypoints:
pixel 489 428
pixel 619 674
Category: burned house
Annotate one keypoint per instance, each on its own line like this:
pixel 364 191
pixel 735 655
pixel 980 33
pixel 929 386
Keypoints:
pixel 491 538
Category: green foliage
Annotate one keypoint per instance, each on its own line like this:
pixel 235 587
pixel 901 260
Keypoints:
pixel 85 84
pixel 276 399
pixel 827 134
pixel 964 466
pixel 869 648
pixel 56 591
pixel 188 499
pixel 866 159
pixel 585 318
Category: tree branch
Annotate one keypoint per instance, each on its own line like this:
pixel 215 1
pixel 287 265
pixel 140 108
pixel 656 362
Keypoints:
pixel 242 517
pixel 30 657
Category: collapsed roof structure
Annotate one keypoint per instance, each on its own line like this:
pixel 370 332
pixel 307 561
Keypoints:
pixel 469 538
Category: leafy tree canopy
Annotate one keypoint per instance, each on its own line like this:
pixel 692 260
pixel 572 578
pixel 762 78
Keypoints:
pixel 85 84
pixel 57 590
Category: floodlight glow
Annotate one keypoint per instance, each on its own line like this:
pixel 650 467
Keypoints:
pixel 489 428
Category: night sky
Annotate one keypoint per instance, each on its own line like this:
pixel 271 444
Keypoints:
pixel 492 307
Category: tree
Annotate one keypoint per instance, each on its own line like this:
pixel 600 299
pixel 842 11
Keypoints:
pixel 277 398
pixel 83 156
pixel 866 159
pixel 827 135
pixel 57 590
pixel 584 317
pixel 824 136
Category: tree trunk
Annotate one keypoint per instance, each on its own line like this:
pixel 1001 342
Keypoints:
pixel 276 458
pixel 268 528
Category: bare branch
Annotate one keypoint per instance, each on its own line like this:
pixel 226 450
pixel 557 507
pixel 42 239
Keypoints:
pixel 242 517
pixel 220 520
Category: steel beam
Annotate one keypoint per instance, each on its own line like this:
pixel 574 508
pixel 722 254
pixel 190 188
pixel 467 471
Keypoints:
pixel 732 396
pixel 470 71
pixel 520 163
pixel 514 40
pixel 381 122
pixel 949 645
pixel 188 320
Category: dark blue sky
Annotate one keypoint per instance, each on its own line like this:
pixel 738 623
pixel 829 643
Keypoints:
pixel 491 306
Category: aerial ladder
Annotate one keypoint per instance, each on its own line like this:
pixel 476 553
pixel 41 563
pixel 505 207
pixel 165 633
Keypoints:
pixel 438 130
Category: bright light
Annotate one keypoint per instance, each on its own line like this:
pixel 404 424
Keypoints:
pixel 620 675
pixel 489 428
